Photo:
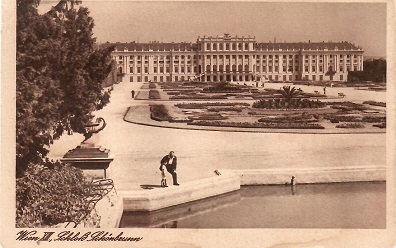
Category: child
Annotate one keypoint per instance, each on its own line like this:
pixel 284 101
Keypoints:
pixel 163 180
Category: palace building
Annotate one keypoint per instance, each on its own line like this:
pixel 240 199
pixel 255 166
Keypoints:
pixel 233 58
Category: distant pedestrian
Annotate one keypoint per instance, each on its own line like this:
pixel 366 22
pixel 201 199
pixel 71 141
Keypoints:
pixel 324 90
pixel 133 93
pixel 170 162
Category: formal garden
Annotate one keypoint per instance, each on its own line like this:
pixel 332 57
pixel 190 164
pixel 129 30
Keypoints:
pixel 232 105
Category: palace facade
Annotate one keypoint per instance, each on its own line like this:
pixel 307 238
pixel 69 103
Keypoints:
pixel 227 58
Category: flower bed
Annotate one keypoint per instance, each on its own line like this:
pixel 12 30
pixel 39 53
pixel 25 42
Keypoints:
pixel 380 125
pixel 278 103
pixel 199 97
pixel 224 87
pixel 258 125
pixel 159 113
pixel 152 85
pixel 374 103
pixel 343 118
pixel 289 119
pixel 347 106
pixel 374 119
pixel 208 117
pixel 209 104
pixel 218 109
pixel 154 94
pixel 350 125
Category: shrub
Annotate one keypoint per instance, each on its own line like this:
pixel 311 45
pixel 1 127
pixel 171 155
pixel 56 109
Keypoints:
pixel 350 125
pixel 51 193
pixel 154 94
pixel 152 85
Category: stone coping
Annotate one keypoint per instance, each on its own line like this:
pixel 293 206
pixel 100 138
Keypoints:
pixel 231 180
pixel 312 175
pixel 155 199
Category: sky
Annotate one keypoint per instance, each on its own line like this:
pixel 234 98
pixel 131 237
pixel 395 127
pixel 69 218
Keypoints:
pixel 363 24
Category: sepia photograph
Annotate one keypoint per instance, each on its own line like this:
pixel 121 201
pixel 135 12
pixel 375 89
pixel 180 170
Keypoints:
pixel 198 124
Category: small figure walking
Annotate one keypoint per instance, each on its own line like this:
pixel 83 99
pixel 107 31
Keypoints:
pixel 133 93
pixel 163 180
pixel 170 162
pixel 324 90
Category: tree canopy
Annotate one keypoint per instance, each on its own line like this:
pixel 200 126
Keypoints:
pixel 59 75
pixel 373 70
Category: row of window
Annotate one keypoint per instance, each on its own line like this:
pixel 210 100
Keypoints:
pixel 225 46
pixel 233 77
pixel 161 57
pixel 166 69
pixel 240 68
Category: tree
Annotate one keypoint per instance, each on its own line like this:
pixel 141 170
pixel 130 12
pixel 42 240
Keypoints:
pixel 373 70
pixel 288 94
pixel 59 75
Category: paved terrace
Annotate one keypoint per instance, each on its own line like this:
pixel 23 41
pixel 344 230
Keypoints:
pixel 137 149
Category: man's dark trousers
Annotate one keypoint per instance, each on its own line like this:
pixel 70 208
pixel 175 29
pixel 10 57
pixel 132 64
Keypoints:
pixel 170 168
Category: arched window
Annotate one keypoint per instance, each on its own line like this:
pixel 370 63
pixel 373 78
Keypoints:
pixel 240 68
pixel 227 46
pixel 221 68
pixel 227 68
pixel 240 46
pixel 234 46
pixel 214 46
pixel 208 68
pixel 214 68
pixel 246 68
pixel 246 46
pixel 221 46
pixel 120 69
pixel 234 68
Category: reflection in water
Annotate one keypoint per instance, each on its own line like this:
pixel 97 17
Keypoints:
pixel 336 205
pixel 167 225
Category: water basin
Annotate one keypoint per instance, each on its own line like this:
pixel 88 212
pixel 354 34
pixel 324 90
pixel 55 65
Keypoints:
pixel 338 205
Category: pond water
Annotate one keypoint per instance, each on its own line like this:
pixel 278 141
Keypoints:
pixel 338 205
